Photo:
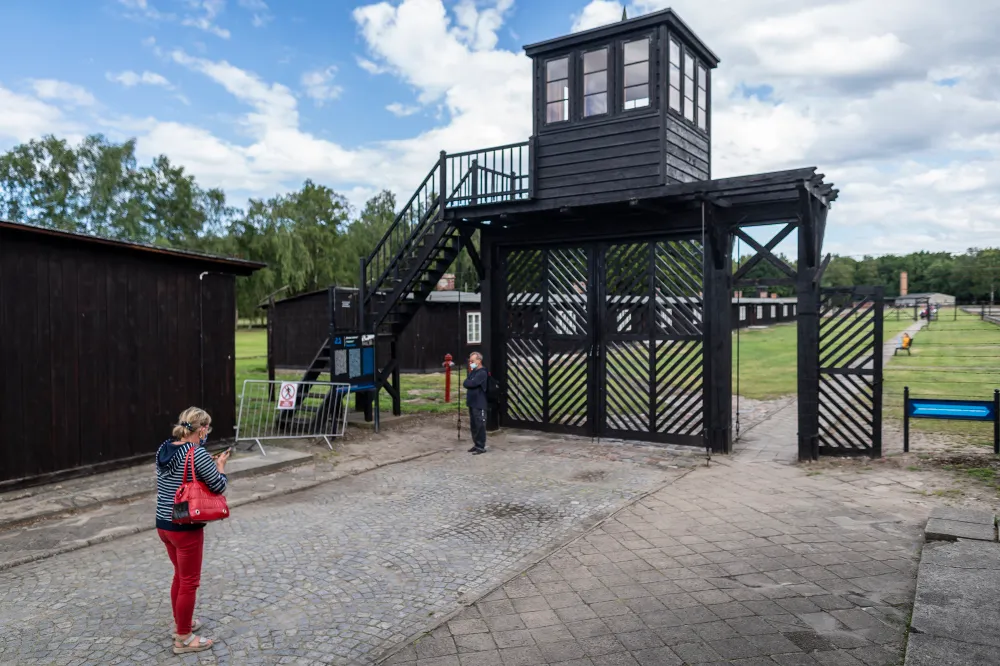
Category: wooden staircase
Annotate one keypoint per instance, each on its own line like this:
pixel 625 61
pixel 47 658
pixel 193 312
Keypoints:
pixel 422 244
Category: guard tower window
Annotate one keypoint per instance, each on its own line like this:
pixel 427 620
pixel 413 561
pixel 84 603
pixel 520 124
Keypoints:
pixel 557 90
pixel 702 97
pixel 689 86
pixel 595 82
pixel 675 76
pixel 636 74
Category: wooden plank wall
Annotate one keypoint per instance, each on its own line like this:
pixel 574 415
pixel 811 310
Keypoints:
pixel 302 324
pixel 436 330
pixel 101 350
pixel 618 155
pixel 688 157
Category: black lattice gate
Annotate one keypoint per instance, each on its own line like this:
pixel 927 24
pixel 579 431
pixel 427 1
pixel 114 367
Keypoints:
pixel 850 371
pixel 651 334
pixel 619 355
pixel 549 339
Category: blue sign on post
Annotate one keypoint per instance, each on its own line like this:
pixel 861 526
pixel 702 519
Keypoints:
pixel 951 410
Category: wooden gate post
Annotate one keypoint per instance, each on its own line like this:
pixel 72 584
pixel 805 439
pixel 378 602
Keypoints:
pixel 807 291
pixel 717 321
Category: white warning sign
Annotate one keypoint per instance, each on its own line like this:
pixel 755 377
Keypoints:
pixel 286 397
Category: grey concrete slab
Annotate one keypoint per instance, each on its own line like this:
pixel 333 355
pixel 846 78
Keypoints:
pixel 950 530
pixel 964 515
pixel 955 600
pixel 925 650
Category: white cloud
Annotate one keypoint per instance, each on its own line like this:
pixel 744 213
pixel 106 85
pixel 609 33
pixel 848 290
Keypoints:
pixel 209 9
pixel 319 85
pixel 142 9
pixel 596 14
pixel 402 110
pixel 370 67
pixel 130 79
pixel 51 89
pixel 896 101
pixel 259 10
pixel 25 117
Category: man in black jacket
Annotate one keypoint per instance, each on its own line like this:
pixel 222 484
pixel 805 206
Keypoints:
pixel 475 400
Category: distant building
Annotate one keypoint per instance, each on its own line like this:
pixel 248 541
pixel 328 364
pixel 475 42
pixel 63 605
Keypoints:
pixel 909 300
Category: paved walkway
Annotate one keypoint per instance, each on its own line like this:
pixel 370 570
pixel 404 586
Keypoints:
pixel 546 551
pixel 324 576
pixel 747 564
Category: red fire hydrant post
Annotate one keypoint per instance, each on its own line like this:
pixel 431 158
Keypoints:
pixel 447 377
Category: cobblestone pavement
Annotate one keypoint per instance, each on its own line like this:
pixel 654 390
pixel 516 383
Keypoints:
pixel 739 563
pixel 323 576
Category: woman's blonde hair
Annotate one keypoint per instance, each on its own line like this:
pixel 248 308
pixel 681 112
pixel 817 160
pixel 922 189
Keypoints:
pixel 190 420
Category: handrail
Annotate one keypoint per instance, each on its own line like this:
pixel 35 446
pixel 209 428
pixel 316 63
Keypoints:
pixel 489 175
pixel 519 144
pixel 399 215
pixel 499 174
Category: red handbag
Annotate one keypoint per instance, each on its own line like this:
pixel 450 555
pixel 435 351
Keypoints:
pixel 194 502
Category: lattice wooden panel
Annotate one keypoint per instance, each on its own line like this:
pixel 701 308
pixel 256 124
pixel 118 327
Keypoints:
pixel 850 369
pixel 569 343
pixel 678 280
pixel 679 397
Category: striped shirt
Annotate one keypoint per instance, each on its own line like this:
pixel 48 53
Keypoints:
pixel 170 459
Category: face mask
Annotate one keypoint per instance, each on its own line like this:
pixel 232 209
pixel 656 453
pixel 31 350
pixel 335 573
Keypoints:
pixel 473 365
pixel 203 440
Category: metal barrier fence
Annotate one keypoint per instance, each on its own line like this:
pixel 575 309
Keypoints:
pixel 291 410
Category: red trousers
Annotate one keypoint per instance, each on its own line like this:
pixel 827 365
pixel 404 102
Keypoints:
pixel 184 549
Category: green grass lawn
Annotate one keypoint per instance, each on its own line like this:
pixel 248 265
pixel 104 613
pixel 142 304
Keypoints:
pixel 958 359
pixel 767 366
pixel 768 359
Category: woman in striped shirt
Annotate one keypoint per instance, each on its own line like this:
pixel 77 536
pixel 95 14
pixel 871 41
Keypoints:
pixel 185 542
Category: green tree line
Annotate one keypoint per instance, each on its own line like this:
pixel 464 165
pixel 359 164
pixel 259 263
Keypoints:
pixel 309 239
pixel 312 238
pixel 971 277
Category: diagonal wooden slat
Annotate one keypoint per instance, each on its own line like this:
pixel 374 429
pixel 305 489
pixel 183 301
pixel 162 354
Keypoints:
pixel 627 386
pixel 849 383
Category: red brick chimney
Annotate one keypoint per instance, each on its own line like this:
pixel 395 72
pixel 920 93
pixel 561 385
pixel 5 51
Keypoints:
pixel 904 283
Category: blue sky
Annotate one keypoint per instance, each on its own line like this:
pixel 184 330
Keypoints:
pixel 896 101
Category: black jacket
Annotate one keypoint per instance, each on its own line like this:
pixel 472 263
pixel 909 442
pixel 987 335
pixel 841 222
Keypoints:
pixel 475 385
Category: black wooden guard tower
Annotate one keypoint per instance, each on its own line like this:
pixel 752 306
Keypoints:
pixel 606 248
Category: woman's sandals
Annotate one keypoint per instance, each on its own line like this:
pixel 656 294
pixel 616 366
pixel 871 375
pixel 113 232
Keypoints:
pixel 192 643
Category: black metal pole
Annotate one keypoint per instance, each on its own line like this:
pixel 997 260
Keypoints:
pixel 458 400
pixel 996 421
pixel 906 419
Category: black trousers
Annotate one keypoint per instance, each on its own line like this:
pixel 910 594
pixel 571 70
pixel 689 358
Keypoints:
pixel 477 423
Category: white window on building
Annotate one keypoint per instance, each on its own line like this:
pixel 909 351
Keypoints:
pixel 784 310
pixel 794 308
pixel 743 313
pixel 473 328
pixel 557 90
pixel 635 74
pixel 774 311
pixel 760 312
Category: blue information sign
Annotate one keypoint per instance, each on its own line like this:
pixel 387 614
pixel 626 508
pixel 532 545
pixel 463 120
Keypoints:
pixel 960 410
pixel 951 410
